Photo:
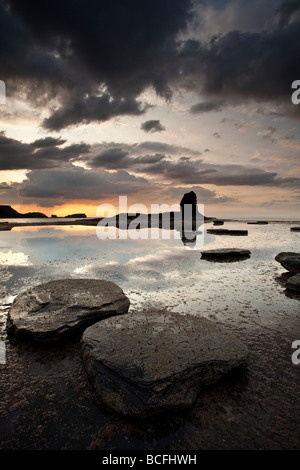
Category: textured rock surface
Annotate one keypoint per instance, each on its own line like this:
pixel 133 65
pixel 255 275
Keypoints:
pixel 51 311
pixel 225 254
pixel 293 283
pixel 146 363
pixel 289 260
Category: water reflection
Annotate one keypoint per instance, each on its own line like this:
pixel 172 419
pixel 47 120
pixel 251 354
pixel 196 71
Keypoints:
pixel 159 272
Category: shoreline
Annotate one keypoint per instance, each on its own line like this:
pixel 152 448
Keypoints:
pixel 9 223
pixel 48 402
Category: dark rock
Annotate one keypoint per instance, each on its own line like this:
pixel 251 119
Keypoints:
pixel 224 231
pixel 259 222
pixel 295 229
pixel 293 283
pixel 76 216
pixel 51 311
pixel 7 212
pixel 191 200
pixel 289 260
pixel 218 222
pixel 147 363
pixel 5 226
pixel 34 215
pixel 225 254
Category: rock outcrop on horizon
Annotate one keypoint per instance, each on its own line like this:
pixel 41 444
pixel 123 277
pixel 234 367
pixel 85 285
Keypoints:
pixel 143 364
pixel 76 216
pixel 7 212
pixel 53 311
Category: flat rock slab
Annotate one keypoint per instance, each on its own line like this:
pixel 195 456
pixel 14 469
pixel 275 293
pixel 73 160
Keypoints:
pixel 293 283
pixel 146 363
pixel 258 222
pixel 52 311
pixel 289 260
pixel 225 254
pixel 224 231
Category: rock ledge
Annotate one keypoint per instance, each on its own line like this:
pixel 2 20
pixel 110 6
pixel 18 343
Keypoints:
pixel 146 363
pixel 52 311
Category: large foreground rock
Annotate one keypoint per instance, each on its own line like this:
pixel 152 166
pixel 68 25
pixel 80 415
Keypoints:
pixel 51 311
pixel 225 254
pixel 293 283
pixel 143 364
pixel 289 260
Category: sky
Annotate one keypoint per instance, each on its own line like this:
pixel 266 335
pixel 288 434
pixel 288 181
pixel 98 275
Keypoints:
pixel 150 99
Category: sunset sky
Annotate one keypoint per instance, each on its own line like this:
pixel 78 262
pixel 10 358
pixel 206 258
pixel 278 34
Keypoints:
pixel 150 99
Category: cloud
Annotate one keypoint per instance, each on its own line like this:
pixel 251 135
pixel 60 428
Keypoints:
pixel 43 153
pixel 205 107
pixel 58 186
pixel 245 66
pixel 287 11
pixel 269 134
pixel 87 56
pixel 182 167
pixel 88 66
pixel 216 135
pixel 83 110
pixel 159 162
pixel 152 126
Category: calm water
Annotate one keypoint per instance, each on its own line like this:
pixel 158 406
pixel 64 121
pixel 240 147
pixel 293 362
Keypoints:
pixel 158 273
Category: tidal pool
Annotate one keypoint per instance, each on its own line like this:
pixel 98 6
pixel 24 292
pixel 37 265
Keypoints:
pixel 248 297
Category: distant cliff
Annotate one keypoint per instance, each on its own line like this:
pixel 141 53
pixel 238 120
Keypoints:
pixel 7 212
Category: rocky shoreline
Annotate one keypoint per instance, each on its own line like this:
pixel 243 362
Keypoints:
pixel 50 397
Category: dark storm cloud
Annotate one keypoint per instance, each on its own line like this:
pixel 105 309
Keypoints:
pixel 112 155
pixel 200 172
pixel 287 10
pixel 183 169
pixel 116 157
pixel 152 126
pixel 59 185
pixel 241 66
pixel 47 142
pixel 96 57
pixel 92 108
pixel 43 153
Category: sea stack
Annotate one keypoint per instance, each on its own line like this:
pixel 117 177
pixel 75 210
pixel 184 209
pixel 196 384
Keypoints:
pixel 189 199
pixel 189 211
